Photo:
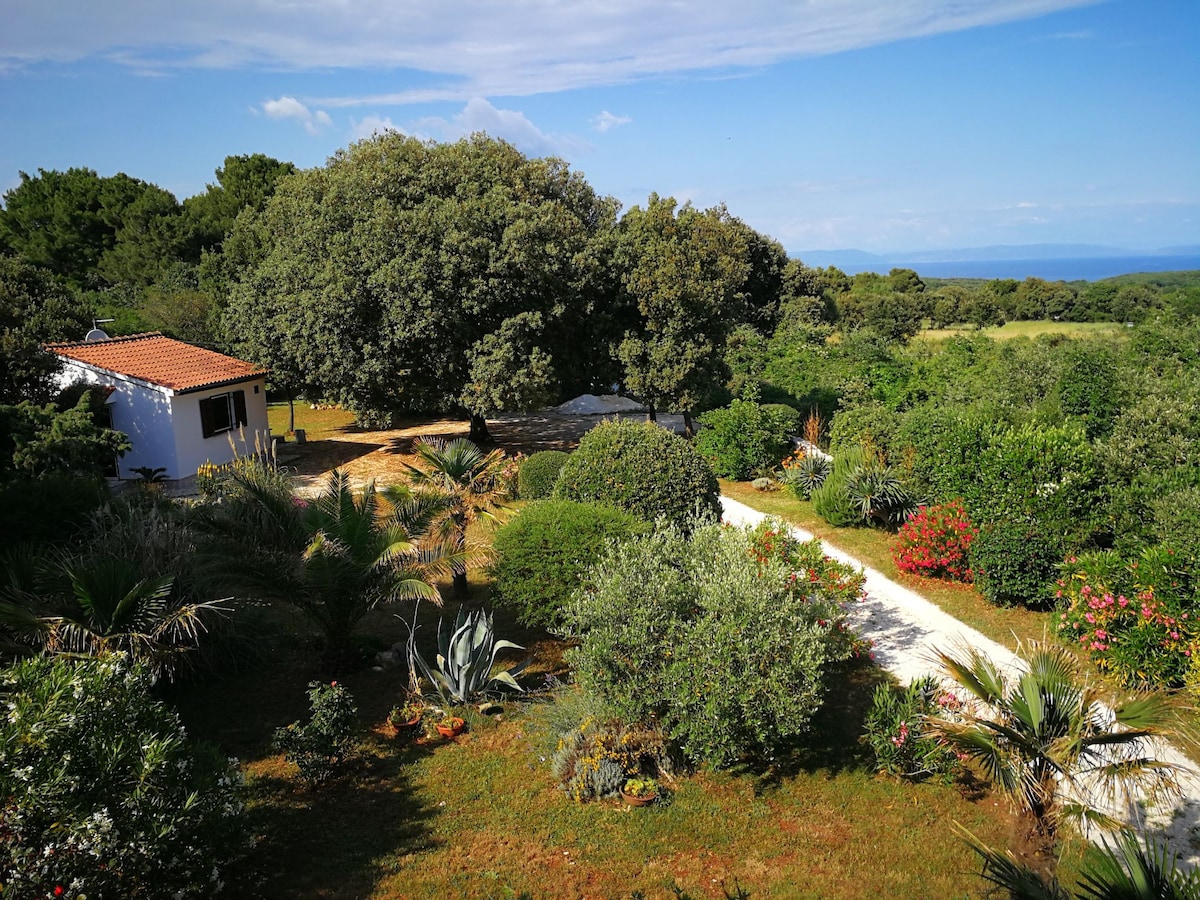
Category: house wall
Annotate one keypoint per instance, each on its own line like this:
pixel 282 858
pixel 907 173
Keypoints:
pixel 192 449
pixel 142 411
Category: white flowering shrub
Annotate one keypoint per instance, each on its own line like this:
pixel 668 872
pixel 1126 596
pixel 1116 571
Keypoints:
pixel 104 795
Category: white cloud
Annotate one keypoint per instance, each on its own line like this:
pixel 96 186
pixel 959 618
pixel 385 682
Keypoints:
pixel 370 126
pixel 510 124
pixel 606 120
pixel 484 48
pixel 291 108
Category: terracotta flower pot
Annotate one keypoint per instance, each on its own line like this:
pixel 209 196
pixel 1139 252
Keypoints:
pixel 453 729
pixel 631 800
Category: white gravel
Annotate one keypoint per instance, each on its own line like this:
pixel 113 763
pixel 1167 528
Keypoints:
pixel 906 628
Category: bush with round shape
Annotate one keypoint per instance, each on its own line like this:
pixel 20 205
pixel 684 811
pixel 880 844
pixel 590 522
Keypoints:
pixel 935 542
pixel 538 473
pixel 1015 562
pixel 716 639
pixel 544 554
pixel 643 469
pixel 104 795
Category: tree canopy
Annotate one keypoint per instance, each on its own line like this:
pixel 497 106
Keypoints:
pixel 403 273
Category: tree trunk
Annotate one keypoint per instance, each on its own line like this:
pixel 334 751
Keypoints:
pixel 291 413
pixel 689 428
pixel 479 430
pixel 651 413
pixel 459 586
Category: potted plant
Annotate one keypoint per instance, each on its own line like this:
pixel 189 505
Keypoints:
pixel 639 791
pixel 450 725
pixel 407 718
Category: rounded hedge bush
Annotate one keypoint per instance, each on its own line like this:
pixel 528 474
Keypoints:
pixel 1015 562
pixel 643 469
pixel 544 553
pixel 538 472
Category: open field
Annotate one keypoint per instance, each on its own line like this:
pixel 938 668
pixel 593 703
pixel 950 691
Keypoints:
pixel 1027 329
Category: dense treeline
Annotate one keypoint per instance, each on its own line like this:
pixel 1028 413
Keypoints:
pixel 411 276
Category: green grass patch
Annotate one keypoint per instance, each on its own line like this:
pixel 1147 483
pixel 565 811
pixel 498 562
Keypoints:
pixel 318 424
pixel 1029 329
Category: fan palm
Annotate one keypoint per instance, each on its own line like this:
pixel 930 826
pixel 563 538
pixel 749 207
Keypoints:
pixel 335 557
pixel 1046 739
pixel 101 605
pixel 458 484
pixel 1124 870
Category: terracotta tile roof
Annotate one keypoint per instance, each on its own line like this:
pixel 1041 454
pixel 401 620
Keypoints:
pixel 159 360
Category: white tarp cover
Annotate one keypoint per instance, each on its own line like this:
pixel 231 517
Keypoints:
pixel 591 405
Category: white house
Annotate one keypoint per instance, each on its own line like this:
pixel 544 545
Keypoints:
pixel 179 404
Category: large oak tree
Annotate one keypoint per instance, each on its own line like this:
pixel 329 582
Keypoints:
pixel 407 275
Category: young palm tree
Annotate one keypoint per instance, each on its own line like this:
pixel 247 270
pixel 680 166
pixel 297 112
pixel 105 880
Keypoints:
pixel 335 557
pixel 459 485
pixel 102 605
pixel 1124 870
pixel 1045 737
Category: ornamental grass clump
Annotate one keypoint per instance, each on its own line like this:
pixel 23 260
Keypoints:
pixel 726 640
pixel 934 543
pixel 103 793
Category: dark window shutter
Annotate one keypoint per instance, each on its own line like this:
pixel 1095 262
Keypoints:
pixel 239 408
pixel 206 418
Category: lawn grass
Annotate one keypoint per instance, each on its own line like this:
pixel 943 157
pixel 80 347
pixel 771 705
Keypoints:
pixel 1029 329
pixel 318 424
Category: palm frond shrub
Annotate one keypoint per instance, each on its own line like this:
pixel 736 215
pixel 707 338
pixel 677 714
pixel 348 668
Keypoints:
pixel 807 474
pixel 879 496
pixel 455 484
pixel 832 501
pixel 335 557
pixel 1045 738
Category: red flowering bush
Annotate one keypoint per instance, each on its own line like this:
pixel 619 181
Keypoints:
pixel 935 541
pixel 1137 619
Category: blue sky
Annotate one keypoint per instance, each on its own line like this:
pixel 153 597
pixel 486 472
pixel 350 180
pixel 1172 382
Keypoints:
pixel 883 125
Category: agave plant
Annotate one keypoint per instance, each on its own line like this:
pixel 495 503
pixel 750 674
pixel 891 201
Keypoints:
pixel 879 496
pixel 466 655
pixel 809 474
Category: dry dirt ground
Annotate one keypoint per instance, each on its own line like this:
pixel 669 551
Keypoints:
pixel 382 455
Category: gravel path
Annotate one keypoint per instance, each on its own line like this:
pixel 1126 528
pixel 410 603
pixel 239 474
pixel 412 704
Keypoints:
pixel 906 628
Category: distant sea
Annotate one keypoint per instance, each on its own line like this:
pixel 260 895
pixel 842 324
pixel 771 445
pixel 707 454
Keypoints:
pixel 1090 269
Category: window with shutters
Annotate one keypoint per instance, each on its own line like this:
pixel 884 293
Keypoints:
pixel 222 412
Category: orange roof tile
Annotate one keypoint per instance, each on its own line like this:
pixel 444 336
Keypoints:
pixel 159 360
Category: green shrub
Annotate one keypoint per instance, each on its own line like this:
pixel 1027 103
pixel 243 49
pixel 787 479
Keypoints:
pixel 1015 562
pixel 48 509
pixel 790 418
pixel 104 795
pixel 1135 617
pixel 538 472
pixel 742 439
pixel 320 746
pixel 544 554
pixel 869 424
pixel 861 490
pixel 715 638
pixel 643 469
pixel 895 729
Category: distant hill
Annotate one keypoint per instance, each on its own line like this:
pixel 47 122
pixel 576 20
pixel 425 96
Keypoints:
pixel 995 252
